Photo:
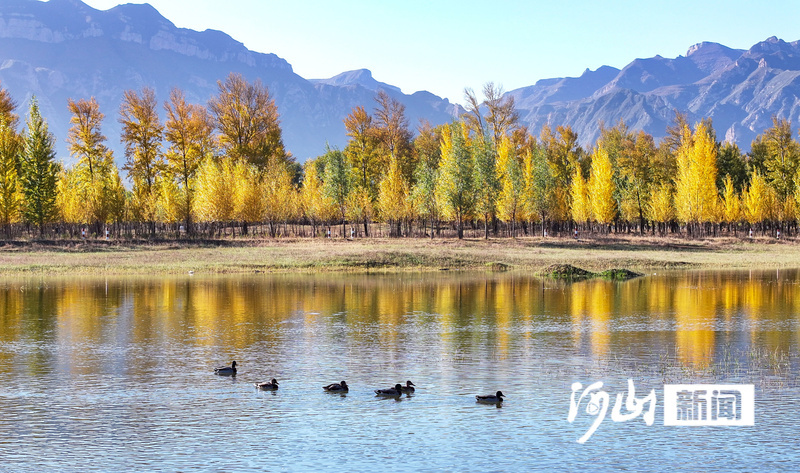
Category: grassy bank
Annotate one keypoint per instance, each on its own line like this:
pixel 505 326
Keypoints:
pixel 315 255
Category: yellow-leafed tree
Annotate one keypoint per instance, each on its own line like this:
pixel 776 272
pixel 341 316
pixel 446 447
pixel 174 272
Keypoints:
pixel 731 204
pixel 786 209
pixel 70 203
pixel 10 194
pixel 188 131
pixel 601 188
pixel 141 135
pixel 248 121
pixel 581 208
pixel 393 197
pixel 217 194
pixel 755 200
pixel 695 184
pixel 660 208
pixel 95 185
pixel 279 197
pixel 423 192
pixel 367 161
pixel 512 184
pixel 317 206
pixel 170 201
pixel 455 185
pixel 249 196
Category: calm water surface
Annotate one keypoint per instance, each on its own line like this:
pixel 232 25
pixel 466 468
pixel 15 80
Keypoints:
pixel 117 374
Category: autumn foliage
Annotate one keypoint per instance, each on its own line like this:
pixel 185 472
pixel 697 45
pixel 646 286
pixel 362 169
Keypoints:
pixel 221 168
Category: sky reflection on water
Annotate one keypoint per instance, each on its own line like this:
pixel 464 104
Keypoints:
pixel 104 375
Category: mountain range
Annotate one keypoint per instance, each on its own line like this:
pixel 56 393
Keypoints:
pixel 65 49
pixel 740 90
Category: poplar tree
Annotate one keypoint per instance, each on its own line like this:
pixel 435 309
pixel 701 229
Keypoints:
pixel 633 162
pixel 563 154
pixel 601 188
pixel 782 158
pixel 96 187
pixel 456 185
pixel 393 197
pixel 10 191
pixel 539 185
pixel 86 141
pixel 188 131
pixel 250 196
pixel 11 147
pixel 581 210
pixel 142 133
pixel 366 160
pixel 248 122
pixel 660 208
pixel 730 202
pixel 423 194
pixel 512 184
pixel 39 170
pixel 485 181
pixel 316 205
pixel 695 184
pixel 280 196
pixel 338 183
pixel 217 196
pixel 502 118
pixel 755 200
pixel 393 133
pixel 169 202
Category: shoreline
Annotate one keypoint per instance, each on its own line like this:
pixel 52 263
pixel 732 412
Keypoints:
pixel 531 254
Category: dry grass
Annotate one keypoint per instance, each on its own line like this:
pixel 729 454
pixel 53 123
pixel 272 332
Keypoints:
pixel 315 255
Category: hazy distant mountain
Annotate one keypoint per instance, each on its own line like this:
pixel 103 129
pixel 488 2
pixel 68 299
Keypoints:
pixel 358 78
pixel 740 90
pixel 65 49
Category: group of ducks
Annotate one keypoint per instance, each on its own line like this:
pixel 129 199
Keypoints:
pixel 396 391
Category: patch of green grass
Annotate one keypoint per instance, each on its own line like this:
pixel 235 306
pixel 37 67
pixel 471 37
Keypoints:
pixel 573 273
pixel 618 274
pixel 497 267
pixel 567 271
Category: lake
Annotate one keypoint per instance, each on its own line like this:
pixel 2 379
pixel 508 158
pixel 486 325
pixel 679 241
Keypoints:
pixel 118 374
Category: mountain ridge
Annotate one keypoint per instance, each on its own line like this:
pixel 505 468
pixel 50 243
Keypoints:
pixel 65 49
pixel 740 90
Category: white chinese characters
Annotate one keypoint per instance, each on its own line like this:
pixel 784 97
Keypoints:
pixel 709 404
pixel 684 404
pixel 597 405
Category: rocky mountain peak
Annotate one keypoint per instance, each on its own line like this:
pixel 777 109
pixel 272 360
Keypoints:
pixel 64 49
pixel 359 77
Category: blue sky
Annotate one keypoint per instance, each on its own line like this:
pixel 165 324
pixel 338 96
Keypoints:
pixel 444 46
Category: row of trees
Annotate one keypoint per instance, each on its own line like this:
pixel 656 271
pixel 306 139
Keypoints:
pixel 489 170
pixel 212 163
pixel 224 164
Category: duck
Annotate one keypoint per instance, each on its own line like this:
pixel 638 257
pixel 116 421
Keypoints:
pixel 267 386
pixel 226 370
pixel 337 387
pixel 408 388
pixel 496 398
pixel 396 391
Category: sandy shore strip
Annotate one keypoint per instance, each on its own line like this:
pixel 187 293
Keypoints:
pixel 386 255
